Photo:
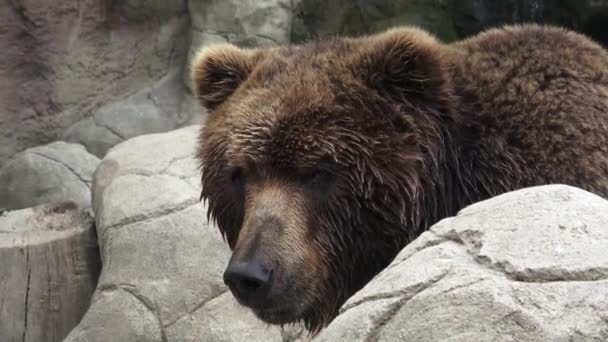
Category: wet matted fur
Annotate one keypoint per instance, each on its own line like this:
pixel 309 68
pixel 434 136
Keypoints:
pixel 325 159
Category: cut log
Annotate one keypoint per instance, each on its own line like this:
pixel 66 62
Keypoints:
pixel 49 266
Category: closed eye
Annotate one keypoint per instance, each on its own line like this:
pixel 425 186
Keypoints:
pixel 236 177
pixel 318 179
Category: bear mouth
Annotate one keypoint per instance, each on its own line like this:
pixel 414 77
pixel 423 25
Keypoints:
pixel 276 315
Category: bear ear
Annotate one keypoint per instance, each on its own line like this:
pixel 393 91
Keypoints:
pixel 406 64
pixel 218 70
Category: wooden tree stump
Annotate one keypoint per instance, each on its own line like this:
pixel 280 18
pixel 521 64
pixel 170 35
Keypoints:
pixel 49 266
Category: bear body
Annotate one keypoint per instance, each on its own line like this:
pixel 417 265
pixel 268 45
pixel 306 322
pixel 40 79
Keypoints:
pixel 321 161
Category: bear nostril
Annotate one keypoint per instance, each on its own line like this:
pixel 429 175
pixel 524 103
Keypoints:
pixel 249 281
pixel 251 284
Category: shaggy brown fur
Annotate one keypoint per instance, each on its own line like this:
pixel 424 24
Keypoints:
pixel 324 160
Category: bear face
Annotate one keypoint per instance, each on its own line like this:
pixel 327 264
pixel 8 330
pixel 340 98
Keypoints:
pixel 312 157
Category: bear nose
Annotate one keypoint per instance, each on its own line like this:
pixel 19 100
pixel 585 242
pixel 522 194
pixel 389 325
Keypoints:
pixel 249 281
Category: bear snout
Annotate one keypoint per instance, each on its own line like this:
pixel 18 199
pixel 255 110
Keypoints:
pixel 249 281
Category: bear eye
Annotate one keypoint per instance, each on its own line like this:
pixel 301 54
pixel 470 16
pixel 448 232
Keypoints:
pixel 318 179
pixel 236 176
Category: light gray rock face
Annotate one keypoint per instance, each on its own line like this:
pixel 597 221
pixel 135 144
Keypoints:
pixel 62 59
pixel 222 320
pixel 241 22
pixel 49 265
pixel 529 265
pixel 162 261
pixel 161 108
pixel 55 172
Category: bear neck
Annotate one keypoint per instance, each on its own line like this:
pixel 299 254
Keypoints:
pixel 453 175
pixel 462 176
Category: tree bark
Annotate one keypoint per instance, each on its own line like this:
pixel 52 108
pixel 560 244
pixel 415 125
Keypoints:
pixel 49 266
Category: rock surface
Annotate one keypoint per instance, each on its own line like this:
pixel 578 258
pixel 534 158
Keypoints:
pixel 222 320
pixel 63 58
pixel 161 108
pixel 241 22
pixel 49 266
pixel 529 265
pixel 51 173
pixel 318 18
pixel 449 20
pixel 162 260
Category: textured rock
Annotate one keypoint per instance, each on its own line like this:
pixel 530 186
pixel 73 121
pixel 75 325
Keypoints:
pixel 242 22
pixel 49 265
pixel 62 59
pixel 448 20
pixel 470 17
pixel 295 333
pixel 125 317
pixel 55 172
pixel 221 320
pixel 530 265
pixel 96 138
pixel 158 248
pixel 154 110
pixel 78 56
pixel 313 18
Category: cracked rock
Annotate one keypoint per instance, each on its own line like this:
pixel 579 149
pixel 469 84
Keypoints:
pixel 219 321
pixel 153 110
pixel 80 56
pixel 124 316
pixel 529 265
pixel 51 173
pixel 49 266
pixel 158 248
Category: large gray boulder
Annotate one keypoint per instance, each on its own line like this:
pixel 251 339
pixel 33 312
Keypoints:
pixel 49 265
pixel 162 260
pixel 52 173
pixel 530 265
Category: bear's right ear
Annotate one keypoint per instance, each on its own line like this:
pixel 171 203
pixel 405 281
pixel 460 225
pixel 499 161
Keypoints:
pixel 218 70
pixel 407 64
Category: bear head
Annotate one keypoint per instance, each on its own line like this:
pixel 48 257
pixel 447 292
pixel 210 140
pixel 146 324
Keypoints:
pixel 313 162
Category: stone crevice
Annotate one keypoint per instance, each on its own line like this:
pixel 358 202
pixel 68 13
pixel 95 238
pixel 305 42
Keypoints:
pixel 131 290
pixel 406 293
pixel 48 284
pixel 149 304
pixel 110 129
pixel 173 161
pixel 145 301
pixel 431 242
pixel 27 292
pixel 84 181
pixel 25 18
pixel 380 322
pixel 150 216
pixel 263 36
pixel 163 172
pixel 529 275
pixel 194 309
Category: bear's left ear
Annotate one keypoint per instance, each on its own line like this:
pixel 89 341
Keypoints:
pixel 218 70
pixel 406 64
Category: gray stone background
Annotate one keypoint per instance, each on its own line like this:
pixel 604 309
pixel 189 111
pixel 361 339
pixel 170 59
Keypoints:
pixel 97 72
pixel 96 109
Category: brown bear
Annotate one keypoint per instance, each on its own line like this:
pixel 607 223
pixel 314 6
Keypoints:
pixel 321 161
